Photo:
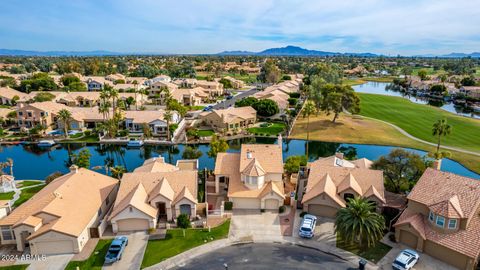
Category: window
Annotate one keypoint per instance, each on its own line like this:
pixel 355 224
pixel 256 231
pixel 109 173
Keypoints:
pixel 431 216
pixel 440 221
pixel 347 196
pixel 99 213
pixel 107 201
pixel 20 113
pixel 6 233
pixel 452 223
pixel 29 114
pixel 42 114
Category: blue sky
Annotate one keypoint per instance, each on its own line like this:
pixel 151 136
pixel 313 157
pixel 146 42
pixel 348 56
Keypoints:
pixel 392 27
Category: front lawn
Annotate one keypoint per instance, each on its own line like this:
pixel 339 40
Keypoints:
pixel 27 194
pixel 85 139
pixel 96 259
pixel 7 196
pixel 272 129
pixel 28 183
pixel 174 242
pixel 373 254
pixel 196 108
pixel 205 132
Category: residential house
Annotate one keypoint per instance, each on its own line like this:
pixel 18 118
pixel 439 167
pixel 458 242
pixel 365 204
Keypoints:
pixel 96 83
pixel 442 218
pixel 229 119
pixel 63 216
pixel 237 84
pixel 253 176
pixel 471 91
pixel 5 208
pixel 154 193
pixel 213 88
pixel 135 120
pixel 116 77
pixel 9 96
pixel 333 180
pixel 38 113
pixel 160 78
pixel 190 96
pixel 155 89
pixel 185 82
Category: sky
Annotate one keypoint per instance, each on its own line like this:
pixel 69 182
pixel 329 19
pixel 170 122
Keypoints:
pixel 390 27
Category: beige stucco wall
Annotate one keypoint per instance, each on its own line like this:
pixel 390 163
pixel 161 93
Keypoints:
pixel 321 199
pixel 135 213
pixel 269 196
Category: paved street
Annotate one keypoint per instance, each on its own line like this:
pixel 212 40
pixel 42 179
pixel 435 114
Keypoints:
pixel 228 103
pixel 133 255
pixel 266 256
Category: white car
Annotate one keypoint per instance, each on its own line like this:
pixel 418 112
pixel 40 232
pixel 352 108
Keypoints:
pixel 307 228
pixel 406 260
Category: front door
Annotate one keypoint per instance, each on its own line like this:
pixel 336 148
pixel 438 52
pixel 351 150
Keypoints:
pixel 24 236
pixel 162 212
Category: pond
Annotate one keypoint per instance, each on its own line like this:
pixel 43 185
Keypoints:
pixel 31 162
pixel 386 89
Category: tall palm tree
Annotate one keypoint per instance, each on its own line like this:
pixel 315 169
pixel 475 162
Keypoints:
pixel 104 109
pixel 118 171
pixel 10 164
pixel 358 222
pixel 167 116
pixel 308 110
pixel 65 116
pixel 441 128
pixel 135 83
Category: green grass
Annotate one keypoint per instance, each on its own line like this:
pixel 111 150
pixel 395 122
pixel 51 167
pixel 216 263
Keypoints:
pixel 27 194
pixel 174 242
pixel 205 132
pixel 76 136
pixel 196 108
pixel 30 183
pixel 86 139
pixel 273 129
pixel 7 196
pixel 417 120
pixel 15 267
pixel 373 254
pixel 388 79
pixel 95 261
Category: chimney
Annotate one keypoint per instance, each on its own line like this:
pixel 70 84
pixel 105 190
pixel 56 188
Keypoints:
pixel 279 140
pixel 249 155
pixel 437 164
pixel 339 155
pixel 74 168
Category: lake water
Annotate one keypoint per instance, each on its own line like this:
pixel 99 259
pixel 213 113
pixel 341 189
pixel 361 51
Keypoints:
pixel 31 162
pixel 383 89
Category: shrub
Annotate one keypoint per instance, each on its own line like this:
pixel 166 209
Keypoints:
pixel 228 206
pixel 87 132
pixel 294 95
pixel 292 101
pixel 122 133
pixel 281 209
pixel 303 213
pixel 183 221
pixel 52 177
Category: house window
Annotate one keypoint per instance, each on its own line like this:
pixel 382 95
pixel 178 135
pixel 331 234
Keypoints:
pixel 99 213
pixel 431 216
pixel 20 113
pixel 452 223
pixel 440 221
pixel 29 114
pixel 347 196
pixel 107 201
pixel 6 233
pixel 42 114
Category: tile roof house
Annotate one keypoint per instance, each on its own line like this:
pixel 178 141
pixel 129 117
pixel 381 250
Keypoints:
pixel 332 180
pixel 253 176
pixel 443 218
pixel 63 216
pixel 230 118
pixel 134 121
pixel 154 192
pixel 8 96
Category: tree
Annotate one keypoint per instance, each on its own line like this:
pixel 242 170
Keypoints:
pixel 423 74
pixel 147 132
pixel 441 128
pixel 65 116
pixel 118 171
pixel 68 79
pixel 82 158
pixel 439 89
pixel 269 73
pixel 38 82
pixel 266 107
pixel 217 146
pixel 293 163
pixel 43 96
pixel 174 105
pixel 468 81
pixel 401 169
pixel 227 84
pixel 130 101
pixel 248 101
pixel 183 221
pixel 338 98
pixel 191 153
pixel 167 116
pixel 359 223
pixel 308 110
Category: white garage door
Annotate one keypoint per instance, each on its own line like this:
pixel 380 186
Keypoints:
pixel 132 224
pixel 246 203
pixel 54 247
pixel 271 204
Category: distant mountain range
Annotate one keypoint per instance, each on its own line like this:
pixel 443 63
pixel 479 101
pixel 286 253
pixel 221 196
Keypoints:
pixel 283 51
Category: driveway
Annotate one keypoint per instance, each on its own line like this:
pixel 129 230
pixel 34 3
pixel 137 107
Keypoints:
pixel 133 254
pixel 324 230
pixel 51 262
pixel 247 225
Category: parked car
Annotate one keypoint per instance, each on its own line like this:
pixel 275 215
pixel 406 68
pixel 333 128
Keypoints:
pixel 208 108
pixel 307 228
pixel 116 249
pixel 229 97
pixel 406 260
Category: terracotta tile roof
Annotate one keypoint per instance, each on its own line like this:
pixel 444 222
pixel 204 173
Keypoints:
pixel 448 208
pixel 272 186
pixel 363 163
pixel 73 198
pixel 140 117
pixel 185 193
pixel 227 163
pixel 254 169
pixel 9 93
pixel 417 221
pixel 325 185
pixel 233 113
pixel 156 165
pixel 164 189
pixel 349 182
pixel 268 155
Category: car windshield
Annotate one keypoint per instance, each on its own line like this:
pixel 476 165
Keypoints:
pixel 115 247
pixel 397 262
pixel 305 229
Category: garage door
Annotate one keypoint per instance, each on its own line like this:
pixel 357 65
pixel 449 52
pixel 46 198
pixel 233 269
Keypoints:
pixel 54 247
pixel 322 210
pixel 133 224
pixel 246 203
pixel 271 204
pixel 408 239
pixel 447 255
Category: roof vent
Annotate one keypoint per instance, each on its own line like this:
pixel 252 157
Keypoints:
pixel 57 194
pixel 74 168
pixel 249 155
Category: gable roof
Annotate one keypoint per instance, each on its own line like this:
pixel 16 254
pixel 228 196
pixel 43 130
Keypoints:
pixel 324 186
pixel 156 164
pixel 254 169
pixel 349 182
pixel 268 155
pixel 232 113
pixel 449 208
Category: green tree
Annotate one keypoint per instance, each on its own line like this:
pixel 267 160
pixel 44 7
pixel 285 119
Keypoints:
pixel 293 163
pixel 441 129
pixel 38 82
pixel 339 98
pixel 43 96
pixel 82 158
pixel 423 74
pixel 217 146
pixel 248 101
pixel 65 116
pixel 308 110
pixel 167 116
pixel 266 107
pixel 439 89
pixel 118 171
pixel 359 223
pixel 183 221
pixel 269 73
pixel 191 153
pixel 401 169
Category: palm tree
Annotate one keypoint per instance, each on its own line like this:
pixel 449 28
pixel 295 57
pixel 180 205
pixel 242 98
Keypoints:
pixel 440 128
pixel 118 171
pixel 65 116
pixel 104 109
pixel 167 116
pixel 10 164
pixel 358 222
pixel 308 110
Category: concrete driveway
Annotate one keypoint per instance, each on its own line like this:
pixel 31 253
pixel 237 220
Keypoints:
pixel 51 262
pixel 247 225
pixel 133 255
pixel 324 231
